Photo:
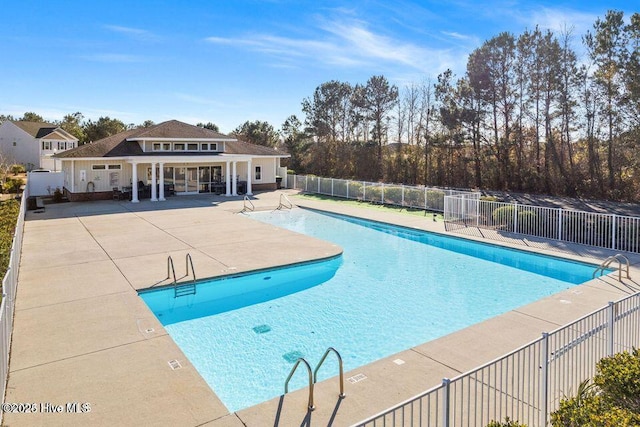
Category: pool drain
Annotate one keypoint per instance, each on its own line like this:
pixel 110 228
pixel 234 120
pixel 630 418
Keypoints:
pixel 292 356
pixel 261 329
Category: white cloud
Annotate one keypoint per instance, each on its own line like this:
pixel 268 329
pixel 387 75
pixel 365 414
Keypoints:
pixel 134 33
pixel 558 20
pixel 344 43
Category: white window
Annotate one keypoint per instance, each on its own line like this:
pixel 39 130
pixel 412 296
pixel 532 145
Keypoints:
pixel 178 147
pixel 214 147
pixel 114 167
pixel 204 147
pixel 157 146
pixel 258 175
pixel 46 145
pixel 98 167
pixel 192 147
pixel 166 146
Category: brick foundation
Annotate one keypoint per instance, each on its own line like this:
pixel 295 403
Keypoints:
pixel 85 197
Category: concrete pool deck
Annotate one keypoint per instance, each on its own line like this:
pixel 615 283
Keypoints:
pixel 81 333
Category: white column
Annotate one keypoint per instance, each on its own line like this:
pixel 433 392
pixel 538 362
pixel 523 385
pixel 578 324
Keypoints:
pixel 134 183
pixel 161 167
pixel 73 176
pixel 227 178
pixel 154 183
pixel 249 175
pixel 234 184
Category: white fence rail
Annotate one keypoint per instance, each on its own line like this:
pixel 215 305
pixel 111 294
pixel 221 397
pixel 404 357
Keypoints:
pixel 9 286
pixel 527 384
pixel 427 198
pixel 610 231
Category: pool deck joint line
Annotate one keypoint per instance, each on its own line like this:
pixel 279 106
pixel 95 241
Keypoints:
pixel 82 334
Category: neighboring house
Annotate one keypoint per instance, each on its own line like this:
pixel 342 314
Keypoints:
pixel 167 158
pixel 34 144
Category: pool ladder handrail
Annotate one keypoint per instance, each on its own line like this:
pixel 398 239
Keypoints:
pixel 313 378
pixel 246 207
pixel 315 371
pixel 286 383
pixel 170 269
pixel 183 289
pixel 281 204
pixel 607 262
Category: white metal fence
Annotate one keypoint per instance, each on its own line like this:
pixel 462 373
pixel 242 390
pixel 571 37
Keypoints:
pixel 527 384
pixel 608 231
pixel 427 198
pixel 9 287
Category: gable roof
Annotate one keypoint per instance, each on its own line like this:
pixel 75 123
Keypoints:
pixel 124 144
pixel 178 130
pixel 42 130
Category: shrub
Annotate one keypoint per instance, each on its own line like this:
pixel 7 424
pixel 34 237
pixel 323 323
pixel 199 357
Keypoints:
pixel 57 195
pixel 12 185
pixel 16 169
pixel 619 379
pixel 506 423
pixel 503 215
pixel 393 195
pixel 435 199
pixel 8 216
pixel 612 400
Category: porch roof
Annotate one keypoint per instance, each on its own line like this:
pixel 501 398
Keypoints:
pixel 124 144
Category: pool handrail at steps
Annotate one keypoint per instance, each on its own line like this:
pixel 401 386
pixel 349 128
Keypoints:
pixel 287 204
pixel 245 207
pixel 171 269
pixel 315 371
pixel 186 288
pixel 311 382
pixel 313 378
pixel 607 262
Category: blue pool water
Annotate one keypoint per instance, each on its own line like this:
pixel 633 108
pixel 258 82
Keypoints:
pixel 392 289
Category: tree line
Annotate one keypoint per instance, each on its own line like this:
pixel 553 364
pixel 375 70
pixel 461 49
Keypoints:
pixel 529 114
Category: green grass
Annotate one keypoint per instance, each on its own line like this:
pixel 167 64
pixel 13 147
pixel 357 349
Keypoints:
pixel 8 217
pixel 368 205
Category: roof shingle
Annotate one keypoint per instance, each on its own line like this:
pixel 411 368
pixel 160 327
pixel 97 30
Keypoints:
pixel 124 143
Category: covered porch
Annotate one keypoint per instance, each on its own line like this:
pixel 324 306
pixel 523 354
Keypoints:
pixel 190 177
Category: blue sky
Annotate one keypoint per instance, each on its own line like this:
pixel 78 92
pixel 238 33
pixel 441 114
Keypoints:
pixel 237 60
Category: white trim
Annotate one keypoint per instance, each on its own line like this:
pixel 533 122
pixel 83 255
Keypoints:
pixel 101 167
pixel 183 139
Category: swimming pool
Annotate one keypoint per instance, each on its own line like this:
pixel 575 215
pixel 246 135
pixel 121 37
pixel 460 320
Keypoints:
pixel 392 289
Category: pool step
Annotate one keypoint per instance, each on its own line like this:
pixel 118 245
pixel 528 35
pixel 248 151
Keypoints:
pixel 184 290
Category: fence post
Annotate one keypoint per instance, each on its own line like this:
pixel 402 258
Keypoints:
pixel 544 379
pixel 613 231
pixel 306 183
pixel 610 329
pixel 446 382
pixel 364 191
pixel 348 185
pixel 382 194
pixel 319 179
pixel 478 204
pixel 426 207
pixel 402 202
pixel 560 212
pixel 515 217
pixel 331 187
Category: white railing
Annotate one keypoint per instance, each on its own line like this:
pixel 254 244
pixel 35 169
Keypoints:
pixel 9 286
pixel 527 384
pixel 610 231
pixel 427 198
